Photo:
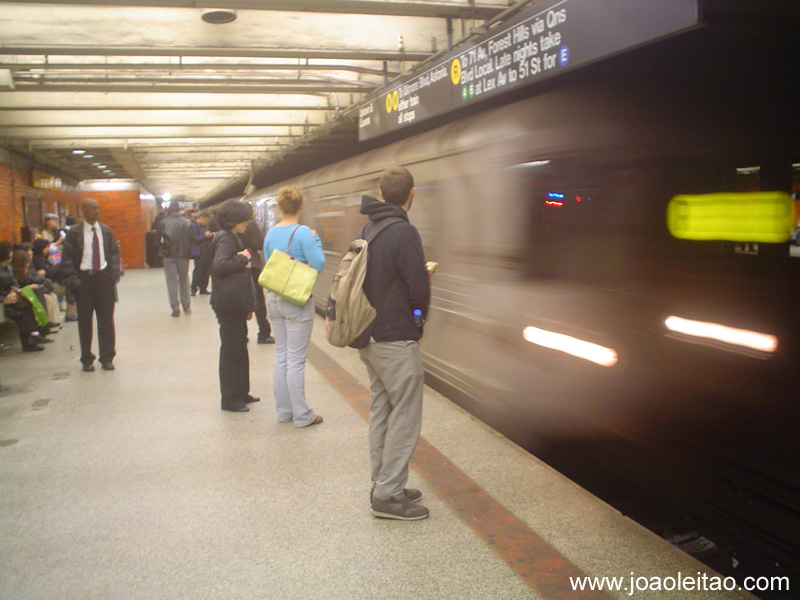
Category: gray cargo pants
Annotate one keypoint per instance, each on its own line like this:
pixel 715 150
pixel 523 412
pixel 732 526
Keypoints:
pixel 395 415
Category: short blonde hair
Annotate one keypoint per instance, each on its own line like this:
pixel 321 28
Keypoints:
pixel 290 200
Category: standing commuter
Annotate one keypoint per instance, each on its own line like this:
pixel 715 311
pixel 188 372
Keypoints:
pixel 91 268
pixel 253 240
pixel 396 284
pixel 292 324
pixel 233 301
pixel 200 253
pixel 177 239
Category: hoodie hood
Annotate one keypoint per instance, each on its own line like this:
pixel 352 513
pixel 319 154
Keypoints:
pixel 377 210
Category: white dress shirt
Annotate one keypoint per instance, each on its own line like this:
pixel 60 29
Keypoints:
pixel 88 240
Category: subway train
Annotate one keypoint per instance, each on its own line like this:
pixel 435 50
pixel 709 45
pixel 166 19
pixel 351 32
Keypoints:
pixel 655 370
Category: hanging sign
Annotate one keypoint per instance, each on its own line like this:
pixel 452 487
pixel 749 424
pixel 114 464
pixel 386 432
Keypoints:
pixel 548 39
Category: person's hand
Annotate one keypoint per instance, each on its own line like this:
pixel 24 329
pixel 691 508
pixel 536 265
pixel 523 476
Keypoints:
pixel 209 234
pixel 34 286
pixel 313 232
pixel 11 298
pixel 245 253
pixel 249 316
pixel 41 272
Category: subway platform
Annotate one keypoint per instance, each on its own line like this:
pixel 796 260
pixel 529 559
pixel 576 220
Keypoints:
pixel 133 484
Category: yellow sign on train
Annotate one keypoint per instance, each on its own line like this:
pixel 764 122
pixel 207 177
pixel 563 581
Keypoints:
pixel 765 217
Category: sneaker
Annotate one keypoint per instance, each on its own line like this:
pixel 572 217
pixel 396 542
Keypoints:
pixel 266 340
pixel 401 509
pixel 410 493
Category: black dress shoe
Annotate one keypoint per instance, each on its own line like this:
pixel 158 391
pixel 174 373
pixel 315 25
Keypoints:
pixel 236 408
pixel 107 366
pixel 32 348
pixel 251 399
pixel 88 368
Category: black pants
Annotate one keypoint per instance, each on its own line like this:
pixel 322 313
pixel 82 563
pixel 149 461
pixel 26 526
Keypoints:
pixel 234 360
pixel 201 271
pixel 96 296
pixel 26 324
pixel 264 329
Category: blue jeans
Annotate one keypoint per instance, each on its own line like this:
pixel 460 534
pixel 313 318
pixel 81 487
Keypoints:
pixel 291 328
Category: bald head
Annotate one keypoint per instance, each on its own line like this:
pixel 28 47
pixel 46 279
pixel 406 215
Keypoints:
pixel 91 210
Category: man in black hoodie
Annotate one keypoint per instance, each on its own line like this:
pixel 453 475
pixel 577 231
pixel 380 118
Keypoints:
pixel 396 284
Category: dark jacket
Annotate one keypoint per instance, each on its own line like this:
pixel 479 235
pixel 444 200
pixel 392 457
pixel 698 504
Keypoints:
pixel 396 282
pixel 72 253
pixel 177 236
pixel 231 282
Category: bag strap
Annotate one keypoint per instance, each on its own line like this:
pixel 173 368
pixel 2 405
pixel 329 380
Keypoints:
pixel 296 227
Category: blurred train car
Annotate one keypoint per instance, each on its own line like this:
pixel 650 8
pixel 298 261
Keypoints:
pixel 564 313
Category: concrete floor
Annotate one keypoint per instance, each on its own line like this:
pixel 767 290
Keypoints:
pixel 133 484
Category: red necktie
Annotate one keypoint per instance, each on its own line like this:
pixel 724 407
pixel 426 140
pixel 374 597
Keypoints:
pixel 95 251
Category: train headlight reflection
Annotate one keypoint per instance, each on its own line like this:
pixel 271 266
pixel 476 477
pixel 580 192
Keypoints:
pixel 722 333
pixel 580 348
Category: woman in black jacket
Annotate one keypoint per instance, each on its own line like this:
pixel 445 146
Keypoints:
pixel 233 301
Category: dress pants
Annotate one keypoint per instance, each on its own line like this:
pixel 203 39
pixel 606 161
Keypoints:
pixel 234 360
pixel 96 295
pixel 395 415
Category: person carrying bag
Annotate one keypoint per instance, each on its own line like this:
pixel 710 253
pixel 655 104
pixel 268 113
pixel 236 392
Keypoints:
pixel 287 276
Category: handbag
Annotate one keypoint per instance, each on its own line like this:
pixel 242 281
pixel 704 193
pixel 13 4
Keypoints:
pixel 39 311
pixel 287 276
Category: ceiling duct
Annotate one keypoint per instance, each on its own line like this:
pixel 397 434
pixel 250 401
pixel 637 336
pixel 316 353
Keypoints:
pixel 218 16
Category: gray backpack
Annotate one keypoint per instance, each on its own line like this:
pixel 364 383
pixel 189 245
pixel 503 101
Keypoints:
pixel 348 312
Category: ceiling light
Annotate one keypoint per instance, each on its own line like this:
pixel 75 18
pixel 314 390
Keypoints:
pixel 218 16
pixel 88 156
pixel 79 151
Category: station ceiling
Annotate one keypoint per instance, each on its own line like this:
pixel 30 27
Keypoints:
pixel 163 92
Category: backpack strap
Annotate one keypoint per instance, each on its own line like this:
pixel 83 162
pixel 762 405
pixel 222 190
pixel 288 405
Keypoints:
pixel 383 224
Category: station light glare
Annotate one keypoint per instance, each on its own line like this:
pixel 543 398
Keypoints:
pixel 722 333
pixel 595 353
pixel 166 196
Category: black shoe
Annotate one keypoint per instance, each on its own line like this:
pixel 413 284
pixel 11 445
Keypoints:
pixel 70 318
pixel 236 408
pixel 266 340
pixel 251 399
pixel 176 313
pixel 401 509
pixel 194 292
pixel 203 292
pixel 88 368
pixel 108 366
pixel 32 348
pixel 40 339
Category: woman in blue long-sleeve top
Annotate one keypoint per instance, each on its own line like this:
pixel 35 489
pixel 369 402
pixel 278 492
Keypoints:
pixel 291 324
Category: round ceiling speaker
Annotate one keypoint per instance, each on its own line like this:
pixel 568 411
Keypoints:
pixel 218 16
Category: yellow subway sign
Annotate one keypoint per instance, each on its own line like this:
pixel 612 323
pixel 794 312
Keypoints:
pixel 765 217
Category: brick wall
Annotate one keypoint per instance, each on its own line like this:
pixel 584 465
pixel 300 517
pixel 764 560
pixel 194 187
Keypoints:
pixel 122 211
pixel 15 184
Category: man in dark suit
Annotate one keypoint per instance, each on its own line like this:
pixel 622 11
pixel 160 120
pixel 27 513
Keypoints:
pixel 91 266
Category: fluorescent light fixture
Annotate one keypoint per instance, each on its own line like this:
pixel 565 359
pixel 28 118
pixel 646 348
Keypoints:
pixel 79 151
pixel 595 353
pixel 722 333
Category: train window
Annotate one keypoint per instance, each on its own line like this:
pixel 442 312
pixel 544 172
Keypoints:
pixel 330 222
pixel 585 217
